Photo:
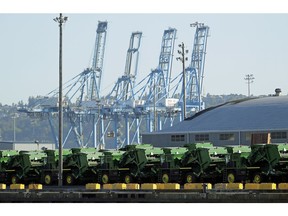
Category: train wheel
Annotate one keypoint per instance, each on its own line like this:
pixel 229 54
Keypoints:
pixel 105 178
pixel 165 178
pixel 69 179
pixel 231 177
pixel 190 178
pixel 48 179
pixel 14 179
pixel 257 178
pixel 127 179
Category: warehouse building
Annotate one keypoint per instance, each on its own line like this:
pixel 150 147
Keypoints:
pixel 232 123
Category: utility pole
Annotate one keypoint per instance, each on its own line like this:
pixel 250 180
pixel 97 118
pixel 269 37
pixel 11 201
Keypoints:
pixel 154 106
pixel 182 53
pixel 249 78
pixel 60 20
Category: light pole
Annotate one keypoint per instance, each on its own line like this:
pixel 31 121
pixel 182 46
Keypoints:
pixel 182 53
pixel 14 127
pixel 60 20
pixel 249 78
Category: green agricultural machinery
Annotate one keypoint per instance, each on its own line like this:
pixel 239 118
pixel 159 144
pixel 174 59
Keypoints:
pixel 195 162
pixel 133 163
pixel 192 163
pixel 32 166
pixel 203 162
pixel 5 156
pixel 262 161
pixel 108 169
pixel 80 166
pixel 236 164
pixel 258 163
pixel 169 169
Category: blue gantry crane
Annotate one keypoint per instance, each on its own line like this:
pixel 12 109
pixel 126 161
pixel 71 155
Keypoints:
pixel 88 84
pixel 194 73
pixel 130 107
pixel 123 89
pixel 81 101
pixel 155 93
pixel 122 96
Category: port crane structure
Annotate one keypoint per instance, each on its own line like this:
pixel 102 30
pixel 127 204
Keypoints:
pixel 135 103
pixel 118 102
pixel 194 73
pixel 81 98
pixel 158 83
pixel 148 105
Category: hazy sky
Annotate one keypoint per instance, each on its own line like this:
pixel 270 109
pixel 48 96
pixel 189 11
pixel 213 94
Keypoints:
pixel 239 44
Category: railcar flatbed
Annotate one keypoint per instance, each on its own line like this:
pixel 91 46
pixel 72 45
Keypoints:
pixel 79 194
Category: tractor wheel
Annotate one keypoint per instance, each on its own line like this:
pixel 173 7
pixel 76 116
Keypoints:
pixel 127 179
pixel 231 177
pixel 190 178
pixel 69 179
pixel 14 179
pixel 105 178
pixel 165 178
pixel 257 178
pixel 47 179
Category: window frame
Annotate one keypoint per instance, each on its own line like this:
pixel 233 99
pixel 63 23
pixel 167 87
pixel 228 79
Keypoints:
pixel 177 138
pixel 227 137
pixel 202 137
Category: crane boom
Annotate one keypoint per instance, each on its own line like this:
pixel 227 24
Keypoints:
pixel 97 63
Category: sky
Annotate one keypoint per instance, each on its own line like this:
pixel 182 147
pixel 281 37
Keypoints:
pixel 239 43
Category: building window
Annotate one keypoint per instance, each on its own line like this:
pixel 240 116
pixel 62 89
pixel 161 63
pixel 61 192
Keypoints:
pixel 248 136
pixel 227 137
pixel 177 138
pixel 278 135
pixel 201 137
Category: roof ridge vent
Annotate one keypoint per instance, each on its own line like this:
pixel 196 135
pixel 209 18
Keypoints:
pixel 277 92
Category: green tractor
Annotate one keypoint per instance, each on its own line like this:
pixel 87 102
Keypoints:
pixel 132 163
pixel 268 163
pixel 203 162
pixel 80 166
pixel 4 158
pixel 141 163
pixel 282 166
pixel 31 167
pixel 169 169
pixel 236 164
pixel 258 163
pixel 108 169
pixel 262 162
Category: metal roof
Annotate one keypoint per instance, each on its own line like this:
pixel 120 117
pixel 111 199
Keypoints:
pixel 262 113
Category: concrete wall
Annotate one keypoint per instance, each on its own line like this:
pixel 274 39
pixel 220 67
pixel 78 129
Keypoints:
pixel 25 146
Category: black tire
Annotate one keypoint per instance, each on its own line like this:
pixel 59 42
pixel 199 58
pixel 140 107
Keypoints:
pixel 105 178
pixel 47 179
pixel 14 179
pixel 165 178
pixel 127 179
pixel 231 177
pixel 190 178
pixel 69 179
pixel 257 178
